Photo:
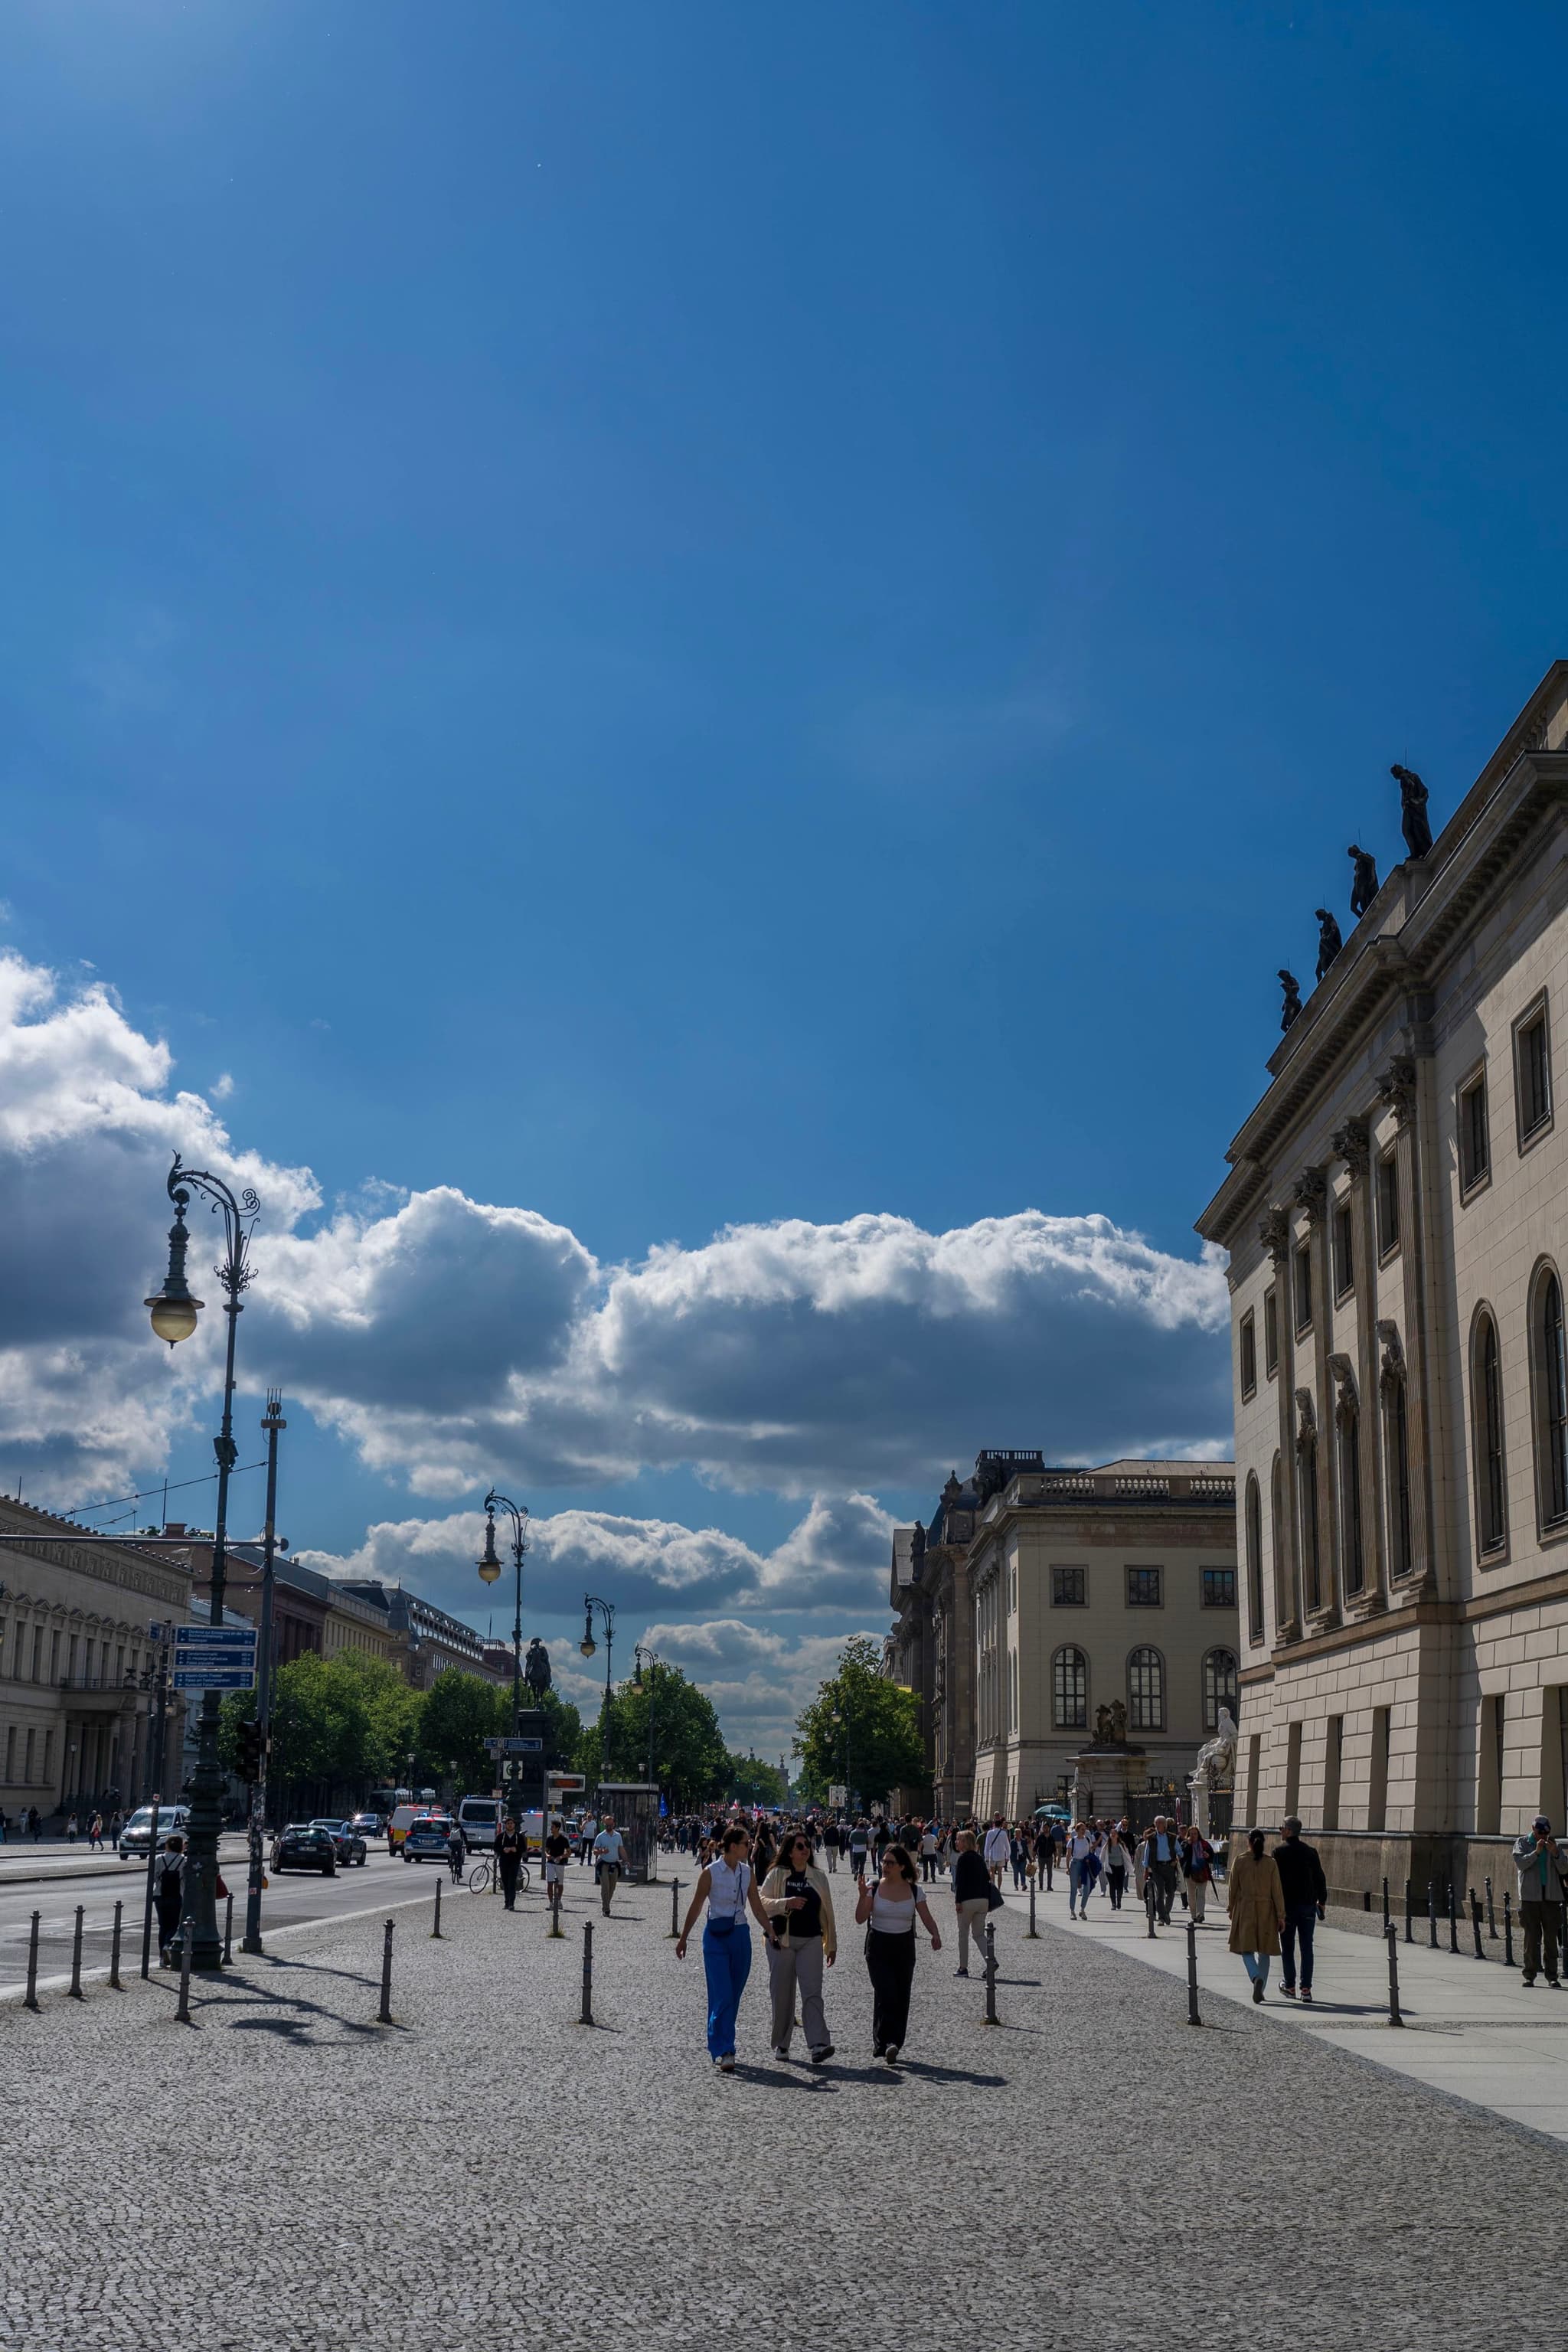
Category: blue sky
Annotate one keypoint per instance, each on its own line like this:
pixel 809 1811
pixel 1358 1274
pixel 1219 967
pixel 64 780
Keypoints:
pixel 691 618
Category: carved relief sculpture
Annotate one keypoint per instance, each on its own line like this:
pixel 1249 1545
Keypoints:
pixel 1352 1144
pixel 1397 1088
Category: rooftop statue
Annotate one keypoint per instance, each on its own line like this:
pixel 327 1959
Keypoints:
pixel 536 1668
pixel 1363 888
pixel 1291 1008
pixel 1329 940
pixel 1412 810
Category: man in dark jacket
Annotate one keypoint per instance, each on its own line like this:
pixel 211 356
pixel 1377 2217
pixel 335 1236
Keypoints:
pixel 1305 1892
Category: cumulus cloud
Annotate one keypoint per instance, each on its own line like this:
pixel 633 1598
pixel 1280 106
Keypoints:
pixel 449 1341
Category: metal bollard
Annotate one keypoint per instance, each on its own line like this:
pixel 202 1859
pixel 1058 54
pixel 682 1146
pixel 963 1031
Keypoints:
pixel 182 2006
pixel 587 2016
pixel 556 1927
pixel 383 2014
pixel 76 1992
pixel 1506 1928
pixel 228 1932
pixel 1192 2017
pixel 114 1983
pixel 1432 1913
pixel 990 2016
pixel 1149 1908
pixel 1453 1918
pixel 435 1930
pixel 1385 1906
pixel 1491 1914
pixel 674 1909
pixel 1476 1922
pixel 1409 1916
pixel 1393 2015
pixel 1034 1931
pixel 30 1999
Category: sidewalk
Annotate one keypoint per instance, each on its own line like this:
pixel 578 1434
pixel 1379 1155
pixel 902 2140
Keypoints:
pixel 1471 2029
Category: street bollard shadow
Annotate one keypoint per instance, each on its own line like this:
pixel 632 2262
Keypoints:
pixel 933 2074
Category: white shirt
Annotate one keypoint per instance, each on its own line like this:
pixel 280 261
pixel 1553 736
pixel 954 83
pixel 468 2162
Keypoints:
pixel 728 1882
pixel 891 1917
pixel 998 1846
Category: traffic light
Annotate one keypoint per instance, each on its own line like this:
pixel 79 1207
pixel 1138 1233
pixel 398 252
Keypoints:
pixel 250 1751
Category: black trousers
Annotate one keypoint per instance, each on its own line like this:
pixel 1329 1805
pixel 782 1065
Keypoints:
pixel 168 1921
pixel 890 1962
pixel 508 1870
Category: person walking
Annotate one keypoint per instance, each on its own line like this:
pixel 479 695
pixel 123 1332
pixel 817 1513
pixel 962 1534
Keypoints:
pixel 70 1829
pixel 860 1838
pixel 557 1855
pixel 887 1912
pixel 1045 1854
pixel 1018 1855
pixel 1306 1892
pixel 508 1858
pixel 1117 1859
pixel 830 1844
pixel 1256 1901
pixel 804 1941
pixel 586 1831
pixel 727 1887
pixel 1160 1864
pixel 997 1847
pixel 971 1897
pixel 169 1895
pixel 1080 1870
pixel 1198 1875
pixel 609 1857
pixel 95 1834
pixel 928 1853
pixel 1542 1885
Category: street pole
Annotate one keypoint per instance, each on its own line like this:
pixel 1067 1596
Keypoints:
pixel 490 1570
pixel 272 1422
pixel 591 1601
pixel 173 1312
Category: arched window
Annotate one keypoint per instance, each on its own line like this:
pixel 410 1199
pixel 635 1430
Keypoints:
pixel 1396 1451
pixel 1069 1690
pixel 1283 1612
pixel 1253 1528
pixel 1551 1402
pixel 1146 1691
pixel 1486 1414
pixel 1347 1438
pixel 1222 1686
pixel 1307 1501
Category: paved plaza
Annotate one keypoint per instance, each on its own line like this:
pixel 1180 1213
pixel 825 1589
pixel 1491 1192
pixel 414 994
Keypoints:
pixel 286 2173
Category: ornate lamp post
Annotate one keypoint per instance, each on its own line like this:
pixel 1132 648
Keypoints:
pixel 174 1311
pixel 490 1568
pixel 642 1658
pixel 591 1601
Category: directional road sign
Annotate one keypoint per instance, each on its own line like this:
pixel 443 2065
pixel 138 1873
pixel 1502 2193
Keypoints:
pixel 215 1657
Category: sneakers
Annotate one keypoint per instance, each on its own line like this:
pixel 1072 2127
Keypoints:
pixel 781 2052
pixel 1257 1992
pixel 820 2057
pixel 1289 1991
pixel 890 2054
pixel 961 1972
pixel 1306 1992
pixel 727 2065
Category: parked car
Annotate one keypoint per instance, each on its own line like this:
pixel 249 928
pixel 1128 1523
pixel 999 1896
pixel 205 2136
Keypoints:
pixel 402 1819
pixel 369 1825
pixel 303 1846
pixel 479 1818
pixel 427 1839
pixel 347 1843
pixel 174 1821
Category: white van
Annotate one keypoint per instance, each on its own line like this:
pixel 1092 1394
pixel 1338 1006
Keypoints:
pixel 479 1818
pixel 398 1827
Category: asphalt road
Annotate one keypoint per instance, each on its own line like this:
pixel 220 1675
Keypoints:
pixel 291 1896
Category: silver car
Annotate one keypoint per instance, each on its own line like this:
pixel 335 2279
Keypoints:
pixel 174 1821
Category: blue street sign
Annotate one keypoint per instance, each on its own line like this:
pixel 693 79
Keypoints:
pixel 214 1637
pixel 214 1678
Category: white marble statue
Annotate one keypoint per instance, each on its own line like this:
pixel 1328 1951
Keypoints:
pixel 1216 1757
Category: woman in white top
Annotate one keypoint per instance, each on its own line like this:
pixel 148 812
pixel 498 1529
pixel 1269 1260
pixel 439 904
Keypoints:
pixel 729 1889
pixel 1082 1847
pixel 888 1910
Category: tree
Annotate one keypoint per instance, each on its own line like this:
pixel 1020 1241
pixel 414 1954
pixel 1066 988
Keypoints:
pixel 458 1715
pixel 392 1711
pixel 690 1759
pixel 749 1782
pixel 862 1730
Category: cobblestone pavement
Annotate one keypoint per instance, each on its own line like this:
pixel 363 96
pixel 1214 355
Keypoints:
pixel 284 2173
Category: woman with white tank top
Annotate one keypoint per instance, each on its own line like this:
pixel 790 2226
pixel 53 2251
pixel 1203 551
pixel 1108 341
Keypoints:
pixel 887 1912
pixel 730 1890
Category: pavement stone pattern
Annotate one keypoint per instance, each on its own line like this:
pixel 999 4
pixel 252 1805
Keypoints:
pixel 286 2174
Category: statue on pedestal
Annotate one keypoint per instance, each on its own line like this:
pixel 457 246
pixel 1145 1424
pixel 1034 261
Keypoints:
pixel 1329 940
pixel 1216 1757
pixel 1291 1009
pixel 536 1670
pixel 1412 810
pixel 1363 885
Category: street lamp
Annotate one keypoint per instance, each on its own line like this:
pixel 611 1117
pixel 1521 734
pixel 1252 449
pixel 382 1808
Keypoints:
pixel 272 1422
pixel 591 1601
pixel 174 1313
pixel 642 1657
pixel 490 1568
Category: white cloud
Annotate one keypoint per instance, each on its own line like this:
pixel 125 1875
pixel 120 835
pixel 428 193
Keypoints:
pixel 221 1088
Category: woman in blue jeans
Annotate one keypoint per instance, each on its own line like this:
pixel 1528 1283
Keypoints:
pixel 729 1889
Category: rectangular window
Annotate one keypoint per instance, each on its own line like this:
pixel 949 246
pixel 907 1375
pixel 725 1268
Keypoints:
pixel 1387 1204
pixel 1144 1588
pixel 1377 1790
pixel 54 1657
pixel 1475 1140
pixel 1333 1759
pixel 1249 1345
pixel 11 1756
pixel 1270 1332
pixel 1532 1073
pixel 70 1656
pixel 1254 1759
pixel 1303 1286
pixel 1489 1768
pixel 48 1756
pixel 27 1761
pixel 1292 1771
pixel 1069 1588
pixel 37 1651
pixel 1344 1251
pixel 1219 1588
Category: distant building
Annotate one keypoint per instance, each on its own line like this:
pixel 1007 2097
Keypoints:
pixel 1038 1595
pixel 426 1640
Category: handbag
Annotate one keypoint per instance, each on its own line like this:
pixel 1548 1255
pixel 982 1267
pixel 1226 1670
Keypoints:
pixel 994 1896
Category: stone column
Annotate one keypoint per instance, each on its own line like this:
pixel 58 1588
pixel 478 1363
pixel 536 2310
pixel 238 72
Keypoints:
pixel 1352 1144
pixel 1312 1192
pixel 1274 1232
pixel 1397 1087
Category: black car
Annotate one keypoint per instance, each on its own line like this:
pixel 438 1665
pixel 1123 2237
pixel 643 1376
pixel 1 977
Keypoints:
pixel 347 1843
pixel 302 1847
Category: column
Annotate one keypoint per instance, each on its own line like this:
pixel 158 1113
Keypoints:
pixel 1274 1232
pixel 1352 1144
pixel 1312 1192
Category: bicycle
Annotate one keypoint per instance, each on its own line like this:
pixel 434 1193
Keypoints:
pixel 484 1877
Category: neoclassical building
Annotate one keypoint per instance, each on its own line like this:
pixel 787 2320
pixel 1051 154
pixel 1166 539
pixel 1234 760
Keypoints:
pixel 1396 1224
pixel 1038 1595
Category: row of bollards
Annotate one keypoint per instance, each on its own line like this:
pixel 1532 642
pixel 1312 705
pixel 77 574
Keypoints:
pixel 74 1991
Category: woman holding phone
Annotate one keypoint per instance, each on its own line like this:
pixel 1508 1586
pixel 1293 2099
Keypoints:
pixel 887 1911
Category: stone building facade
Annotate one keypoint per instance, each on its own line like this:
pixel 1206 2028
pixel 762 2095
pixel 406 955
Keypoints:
pixel 78 1663
pixel 1038 1595
pixel 1397 1223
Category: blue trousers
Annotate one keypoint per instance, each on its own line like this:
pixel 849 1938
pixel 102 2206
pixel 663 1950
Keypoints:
pixel 1080 1879
pixel 727 1963
pixel 1301 1921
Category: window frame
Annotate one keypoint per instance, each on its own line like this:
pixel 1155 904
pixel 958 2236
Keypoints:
pixel 1396 1476
pixel 1472 1089
pixel 1136 1719
pixel 1551 1493
pixel 1271 1331
pixel 1252 1546
pixel 1536 1016
pixel 1058 1662
pixel 1204 1576
pixel 1060 1569
pixel 1247 1356
pixel 1385 1200
pixel 1347 1464
pixel 1302 1286
pixel 1142 1569
pixel 1209 1680
pixel 1488 1442
pixel 1342 1260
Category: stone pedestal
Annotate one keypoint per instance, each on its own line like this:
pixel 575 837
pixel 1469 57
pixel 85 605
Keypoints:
pixel 1106 1778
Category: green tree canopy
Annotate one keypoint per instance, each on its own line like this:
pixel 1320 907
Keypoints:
pixel 458 1715
pixel 749 1782
pixel 860 1729
pixel 690 1759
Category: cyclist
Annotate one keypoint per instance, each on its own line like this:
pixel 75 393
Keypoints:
pixel 455 1851
pixel 557 1853
pixel 508 1858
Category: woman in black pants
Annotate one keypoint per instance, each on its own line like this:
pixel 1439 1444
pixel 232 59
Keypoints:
pixel 887 1912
